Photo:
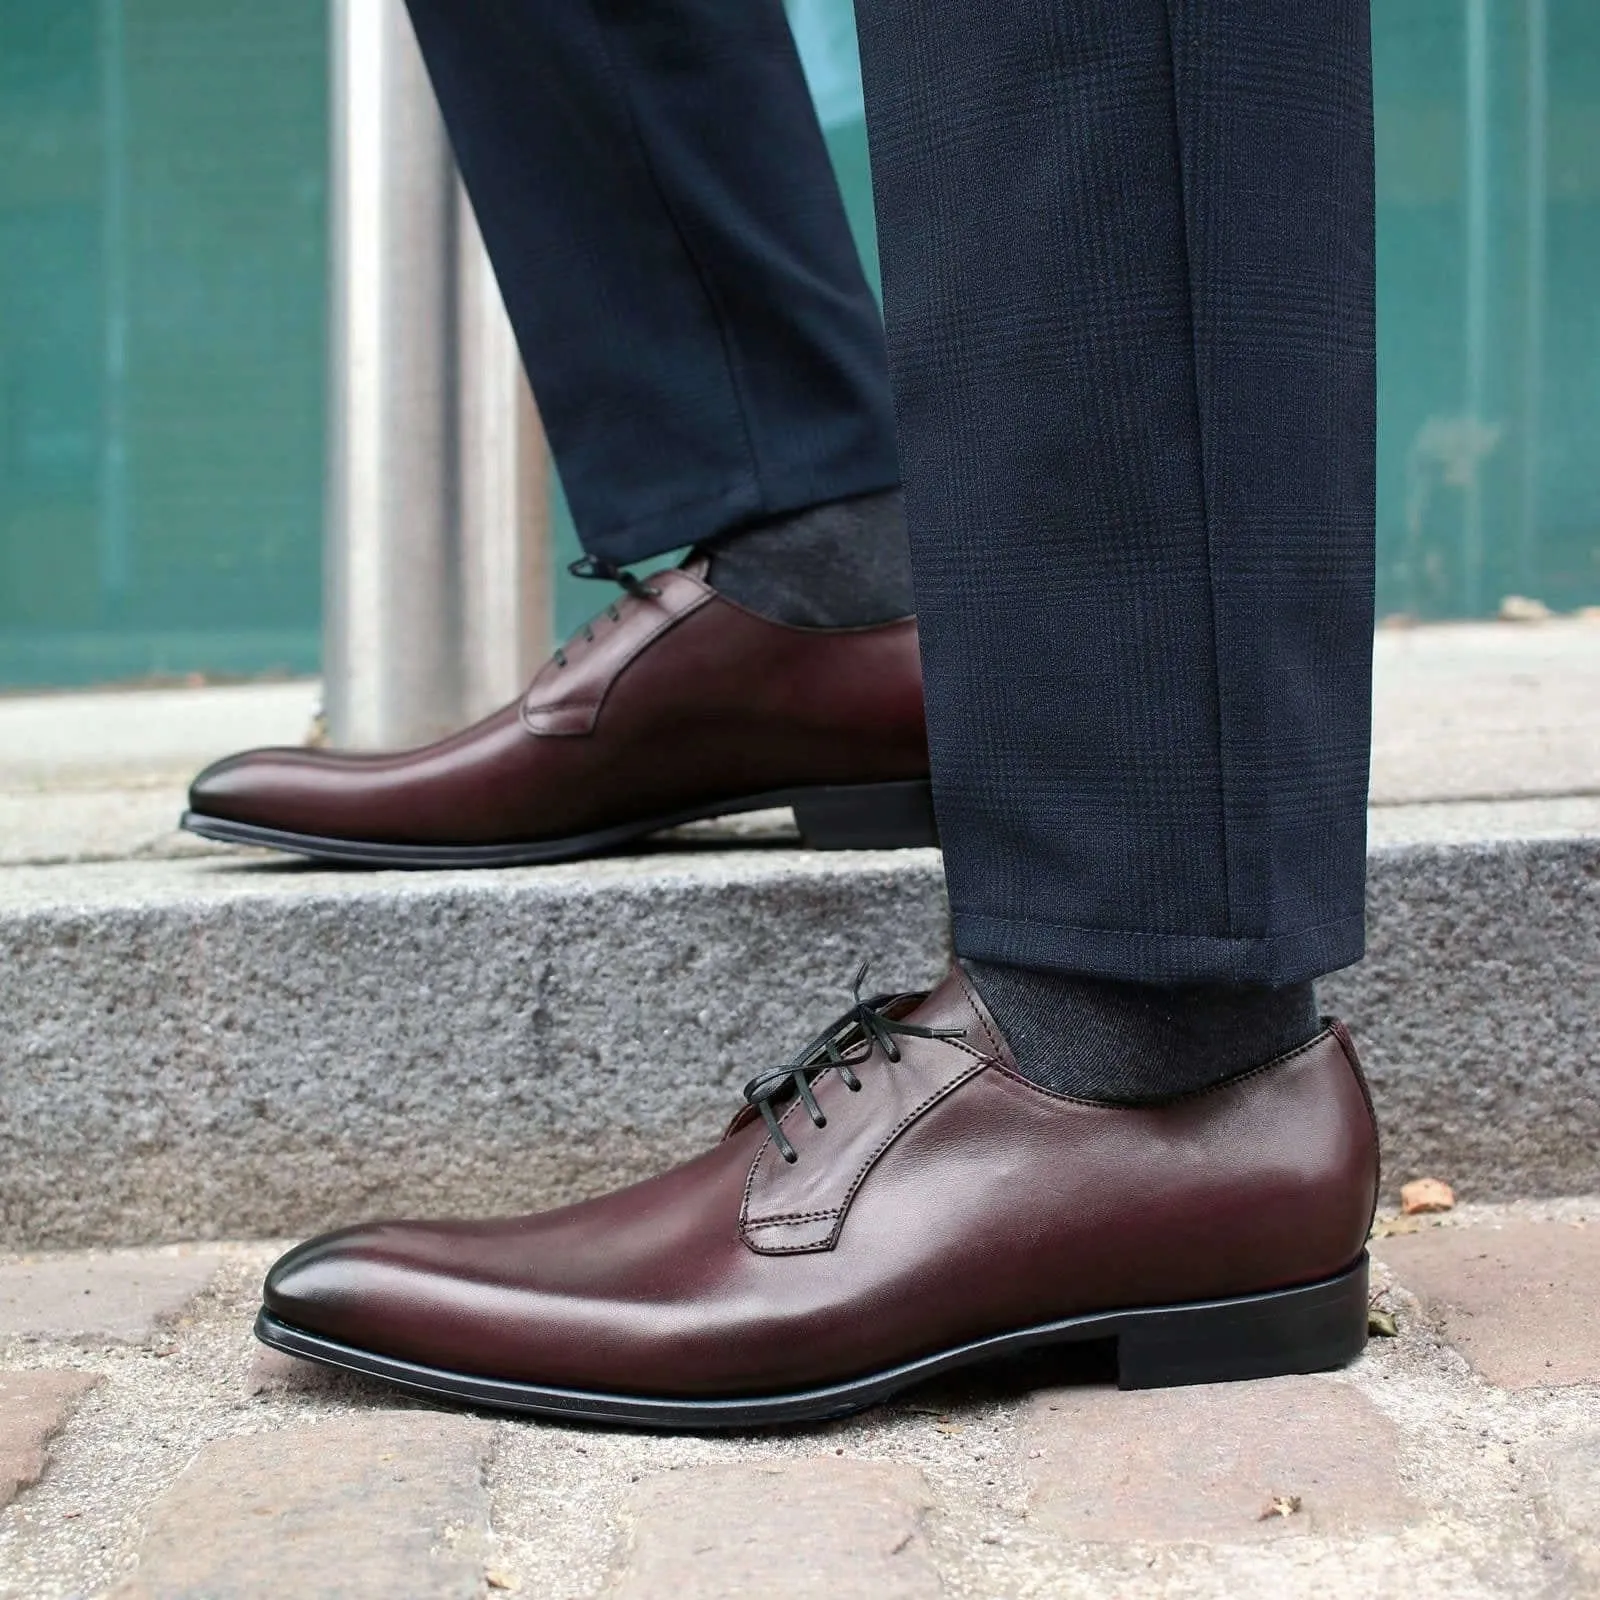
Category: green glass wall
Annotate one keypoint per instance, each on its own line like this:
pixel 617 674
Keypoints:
pixel 162 240
pixel 162 243
pixel 1488 303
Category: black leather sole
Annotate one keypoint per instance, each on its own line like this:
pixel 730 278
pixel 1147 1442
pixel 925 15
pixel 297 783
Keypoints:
pixel 1307 1329
pixel 857 816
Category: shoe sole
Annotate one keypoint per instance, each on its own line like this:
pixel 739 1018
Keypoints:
pixel 1307 1329
pixel 860 816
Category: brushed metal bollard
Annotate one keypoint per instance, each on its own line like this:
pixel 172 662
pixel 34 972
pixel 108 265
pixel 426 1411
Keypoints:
pixel 436 589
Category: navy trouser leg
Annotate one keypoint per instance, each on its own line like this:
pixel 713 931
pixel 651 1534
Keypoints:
pixel 656 198
pixel 1128 274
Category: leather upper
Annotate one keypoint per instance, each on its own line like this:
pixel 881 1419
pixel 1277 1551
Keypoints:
pixel 945 1200
pixel 683 699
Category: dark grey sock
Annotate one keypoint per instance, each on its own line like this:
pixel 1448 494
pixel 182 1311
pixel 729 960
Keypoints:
pixel 840 565
pixel 1129 1043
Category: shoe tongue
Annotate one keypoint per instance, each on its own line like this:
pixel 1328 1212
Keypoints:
pixel 955 1003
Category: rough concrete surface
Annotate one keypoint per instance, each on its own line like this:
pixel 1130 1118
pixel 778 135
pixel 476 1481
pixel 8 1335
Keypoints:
pixel 227 1047
pixel 730 1532
pixel 1571 1502
pixel 235 1049
pixel 202 1042
pixel 124 1296
pixel 1477 1014
pixel 359 1507
pixel 1220 1462
pixel 1486 710
pixel 33 1408
pixel 99 739
pixel 1489 1286
pixel 1414 1476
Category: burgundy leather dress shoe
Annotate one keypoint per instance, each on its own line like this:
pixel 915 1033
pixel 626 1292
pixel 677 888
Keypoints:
pixel 673 705
pixel 896 1203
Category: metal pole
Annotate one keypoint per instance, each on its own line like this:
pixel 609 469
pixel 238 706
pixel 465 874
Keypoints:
pixel 504 512
pixel 434 552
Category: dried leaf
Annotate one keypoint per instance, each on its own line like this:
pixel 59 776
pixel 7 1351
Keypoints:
pixel 508 1581
pixel 1381 1323
pixel 1280 1505
pixel 1520 608
pixel 1426 1194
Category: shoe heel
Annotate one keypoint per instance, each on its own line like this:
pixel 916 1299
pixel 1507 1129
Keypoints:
pixel 867 816
pixel 1265 1336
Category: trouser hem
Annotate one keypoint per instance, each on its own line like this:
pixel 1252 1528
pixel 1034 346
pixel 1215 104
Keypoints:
pixel 1136 957
pixel 745 500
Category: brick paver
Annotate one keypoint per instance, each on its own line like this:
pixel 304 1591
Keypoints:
pixel 812 1529
pixel 1205 1463
pixel 366 1507
pixel 120 1298
pixel 1517 1300
pixel 33 1406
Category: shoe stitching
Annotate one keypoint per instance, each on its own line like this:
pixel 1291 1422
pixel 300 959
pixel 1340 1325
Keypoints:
pixel 768 1146
pixel 747 1222
pixel 1177 1099
pixel 527 710
pixel 975 1005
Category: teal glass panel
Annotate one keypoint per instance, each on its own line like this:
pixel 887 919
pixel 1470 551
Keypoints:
pixel 162 263
pixel 1489 303
pixel 1488 124
pixel 162 260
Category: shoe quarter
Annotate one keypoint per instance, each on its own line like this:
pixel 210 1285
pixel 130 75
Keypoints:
pixel 793 1208
pixel 566 700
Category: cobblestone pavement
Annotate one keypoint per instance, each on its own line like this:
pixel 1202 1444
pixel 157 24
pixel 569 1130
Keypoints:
pixel 150 1451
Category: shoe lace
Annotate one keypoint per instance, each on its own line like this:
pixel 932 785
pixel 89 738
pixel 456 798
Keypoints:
pixel 598 567
pixel 865 1022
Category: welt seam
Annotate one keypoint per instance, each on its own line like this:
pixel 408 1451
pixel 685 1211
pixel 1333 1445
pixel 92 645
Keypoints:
pixel 670 620
pixel 979 1062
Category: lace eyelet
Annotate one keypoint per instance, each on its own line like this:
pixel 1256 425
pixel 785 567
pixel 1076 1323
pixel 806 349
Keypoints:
pixel 868 1023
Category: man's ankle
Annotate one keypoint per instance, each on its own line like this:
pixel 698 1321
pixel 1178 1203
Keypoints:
pixel 1133 1043
pixel 843 564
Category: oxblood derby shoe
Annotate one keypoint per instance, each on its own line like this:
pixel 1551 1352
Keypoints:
pixel 673 705
pixel 895 1203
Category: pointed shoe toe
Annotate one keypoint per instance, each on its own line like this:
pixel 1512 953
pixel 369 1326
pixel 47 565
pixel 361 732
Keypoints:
pixel 236 788
pixel 327 1284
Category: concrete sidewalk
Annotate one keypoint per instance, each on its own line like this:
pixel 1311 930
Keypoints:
pixel 151 1451
pixel 1479 711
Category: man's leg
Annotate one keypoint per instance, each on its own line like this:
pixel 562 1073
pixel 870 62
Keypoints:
pixel 1128 265
pixel 656 197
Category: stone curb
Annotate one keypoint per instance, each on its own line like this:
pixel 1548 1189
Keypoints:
pixel 227 1048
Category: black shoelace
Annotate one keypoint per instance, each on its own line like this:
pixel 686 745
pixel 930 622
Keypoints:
pixel 598 567
pixel 864 1023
